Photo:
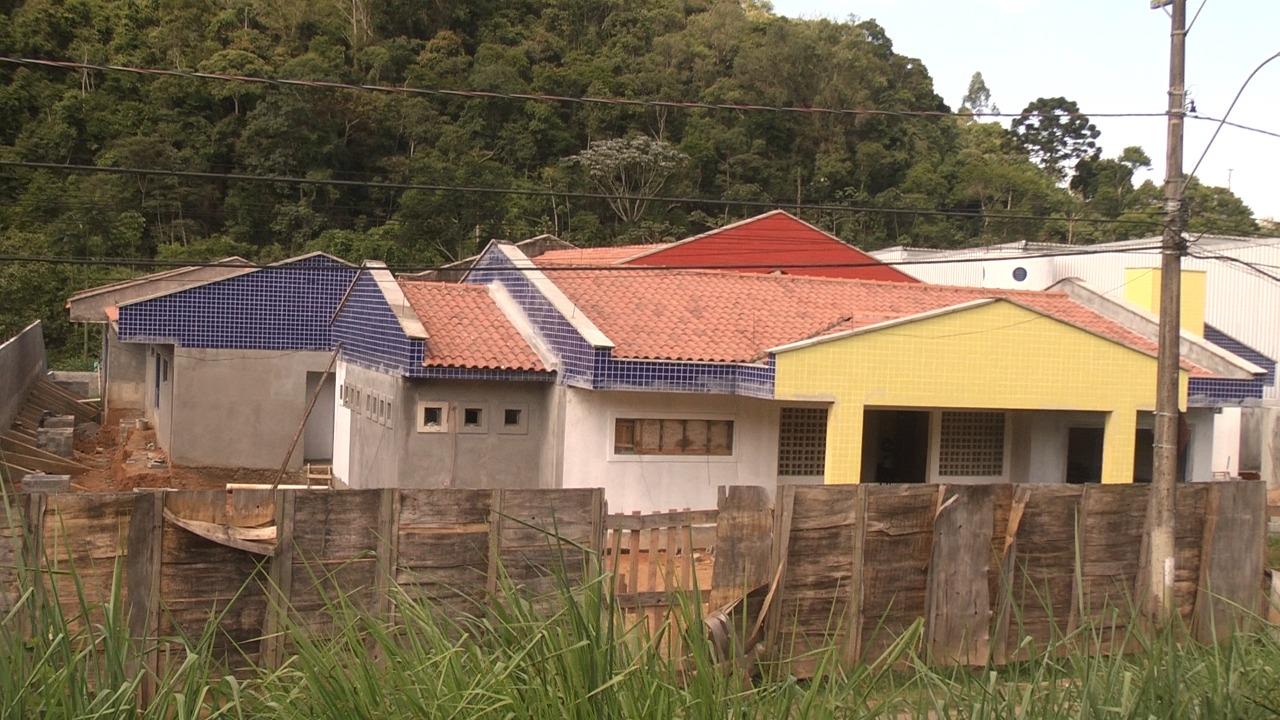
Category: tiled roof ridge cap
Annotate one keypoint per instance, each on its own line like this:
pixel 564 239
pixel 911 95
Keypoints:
pixel 804 279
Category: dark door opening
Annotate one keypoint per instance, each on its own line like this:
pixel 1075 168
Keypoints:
pixel 895 446
pixel 1084 455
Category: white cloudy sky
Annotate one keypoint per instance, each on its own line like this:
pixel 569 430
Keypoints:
pixel 1108 56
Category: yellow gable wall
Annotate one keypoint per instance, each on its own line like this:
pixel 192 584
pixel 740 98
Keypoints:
pixel 998 356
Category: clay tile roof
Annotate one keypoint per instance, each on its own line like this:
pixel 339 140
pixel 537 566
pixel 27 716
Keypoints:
pixel 614 255
pixel 466 329
pixel 726 317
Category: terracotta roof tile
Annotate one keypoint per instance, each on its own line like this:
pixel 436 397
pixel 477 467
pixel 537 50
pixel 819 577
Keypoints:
pixel 725 317
pixel 466 329
pixel 613 255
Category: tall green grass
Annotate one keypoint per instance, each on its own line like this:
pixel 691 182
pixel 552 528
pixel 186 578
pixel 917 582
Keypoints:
pixel 580 659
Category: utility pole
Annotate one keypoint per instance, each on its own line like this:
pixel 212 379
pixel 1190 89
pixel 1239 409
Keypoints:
pixel 1160 512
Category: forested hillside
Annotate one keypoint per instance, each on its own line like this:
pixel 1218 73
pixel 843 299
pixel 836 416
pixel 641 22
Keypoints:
pixel 1049 163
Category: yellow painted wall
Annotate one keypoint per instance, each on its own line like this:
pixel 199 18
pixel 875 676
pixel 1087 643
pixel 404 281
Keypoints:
pixel 1142 288
pixel 996 356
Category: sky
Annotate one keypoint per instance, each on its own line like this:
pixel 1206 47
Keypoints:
pixel 1108 56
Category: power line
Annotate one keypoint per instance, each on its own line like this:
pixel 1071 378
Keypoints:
pixel 538 97
pixel 1223 121
pixel 538 192
pixel 154 262
pixel 584 100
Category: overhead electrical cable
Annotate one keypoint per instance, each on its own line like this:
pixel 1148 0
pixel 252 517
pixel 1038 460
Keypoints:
pixel 540 192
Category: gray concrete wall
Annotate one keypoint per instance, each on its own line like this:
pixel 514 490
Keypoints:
pixel 1269 446
pixel 158 393
pixel 125 373
pixel 239 408
pixel 22 361
pixel 1253 421
pixel 393 453
pixel 78 383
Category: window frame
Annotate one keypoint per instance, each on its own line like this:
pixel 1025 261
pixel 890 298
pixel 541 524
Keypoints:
pixel 935 450
pixel 520 428
pixel 480 429
pixel 421 416
pixel 611 440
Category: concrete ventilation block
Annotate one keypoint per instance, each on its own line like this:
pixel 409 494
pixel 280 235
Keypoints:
pixel 60 421
pixel 41 483
pixel 59 441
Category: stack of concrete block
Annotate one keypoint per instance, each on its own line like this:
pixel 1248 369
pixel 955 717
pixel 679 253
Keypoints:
pixel 42 483
pixel 57 434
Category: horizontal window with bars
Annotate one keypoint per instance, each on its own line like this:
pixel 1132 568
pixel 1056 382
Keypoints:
pixel 650 436
pixel 802 442
pixel 971 444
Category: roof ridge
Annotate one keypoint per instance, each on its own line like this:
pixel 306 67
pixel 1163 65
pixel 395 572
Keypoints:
pixel 816 279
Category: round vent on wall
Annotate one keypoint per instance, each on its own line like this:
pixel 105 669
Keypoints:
pixel 1019 273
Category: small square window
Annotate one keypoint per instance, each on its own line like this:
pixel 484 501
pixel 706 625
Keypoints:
pixel 515 420
pixel 475 419
pixel 433 417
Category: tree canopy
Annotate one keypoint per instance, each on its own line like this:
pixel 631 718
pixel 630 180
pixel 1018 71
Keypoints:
pixel 706 51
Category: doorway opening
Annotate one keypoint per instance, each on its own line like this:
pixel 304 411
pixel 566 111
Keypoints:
pixel 895 446
pixel 317 437
pixel 1084 455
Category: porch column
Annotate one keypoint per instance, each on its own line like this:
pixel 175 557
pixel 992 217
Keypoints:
pixel 844 444
pixel 1117 445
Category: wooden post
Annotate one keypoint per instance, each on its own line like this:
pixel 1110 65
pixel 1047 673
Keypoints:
pixel 388 550
pixel 633 578
pixel 769 614
pixel 495 545
pixel 142 581
pixel 275 625
pixel 852 651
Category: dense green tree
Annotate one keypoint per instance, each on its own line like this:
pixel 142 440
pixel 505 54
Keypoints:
pixel 977 99
pixel 700 51
pixel 1055 135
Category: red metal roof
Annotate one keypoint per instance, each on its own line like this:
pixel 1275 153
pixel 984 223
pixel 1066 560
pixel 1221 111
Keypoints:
pixel 729 317
pixel 597 256
pixel 773 242
pixel 466 329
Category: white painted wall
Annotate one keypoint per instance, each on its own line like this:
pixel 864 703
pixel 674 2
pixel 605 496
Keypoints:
pixel 341 428
pixel 1200 445
pixel 652 483
pixel 1226 441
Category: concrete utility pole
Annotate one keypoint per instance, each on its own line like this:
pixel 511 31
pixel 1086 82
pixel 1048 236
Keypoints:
pixel 1160 516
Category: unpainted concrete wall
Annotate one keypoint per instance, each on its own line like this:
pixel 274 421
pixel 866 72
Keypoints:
pixel 125 373
pixel 22 361
pixel 396 454
pixel 653 482
pixel 239 408
pixel 159 395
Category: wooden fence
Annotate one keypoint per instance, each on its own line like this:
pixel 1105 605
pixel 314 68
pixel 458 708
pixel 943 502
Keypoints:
pixel 998 571
pixel 986 567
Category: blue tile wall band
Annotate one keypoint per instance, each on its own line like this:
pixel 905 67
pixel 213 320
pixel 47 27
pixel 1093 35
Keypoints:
pixel 1224 391
pixel 283 307
pixel 372 337
pixel 584 366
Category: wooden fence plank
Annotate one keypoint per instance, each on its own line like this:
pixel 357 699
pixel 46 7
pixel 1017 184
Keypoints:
pixel 743 541
pixel 958 616
pixel 142 583
pixel 1233 551
pixel 280 591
